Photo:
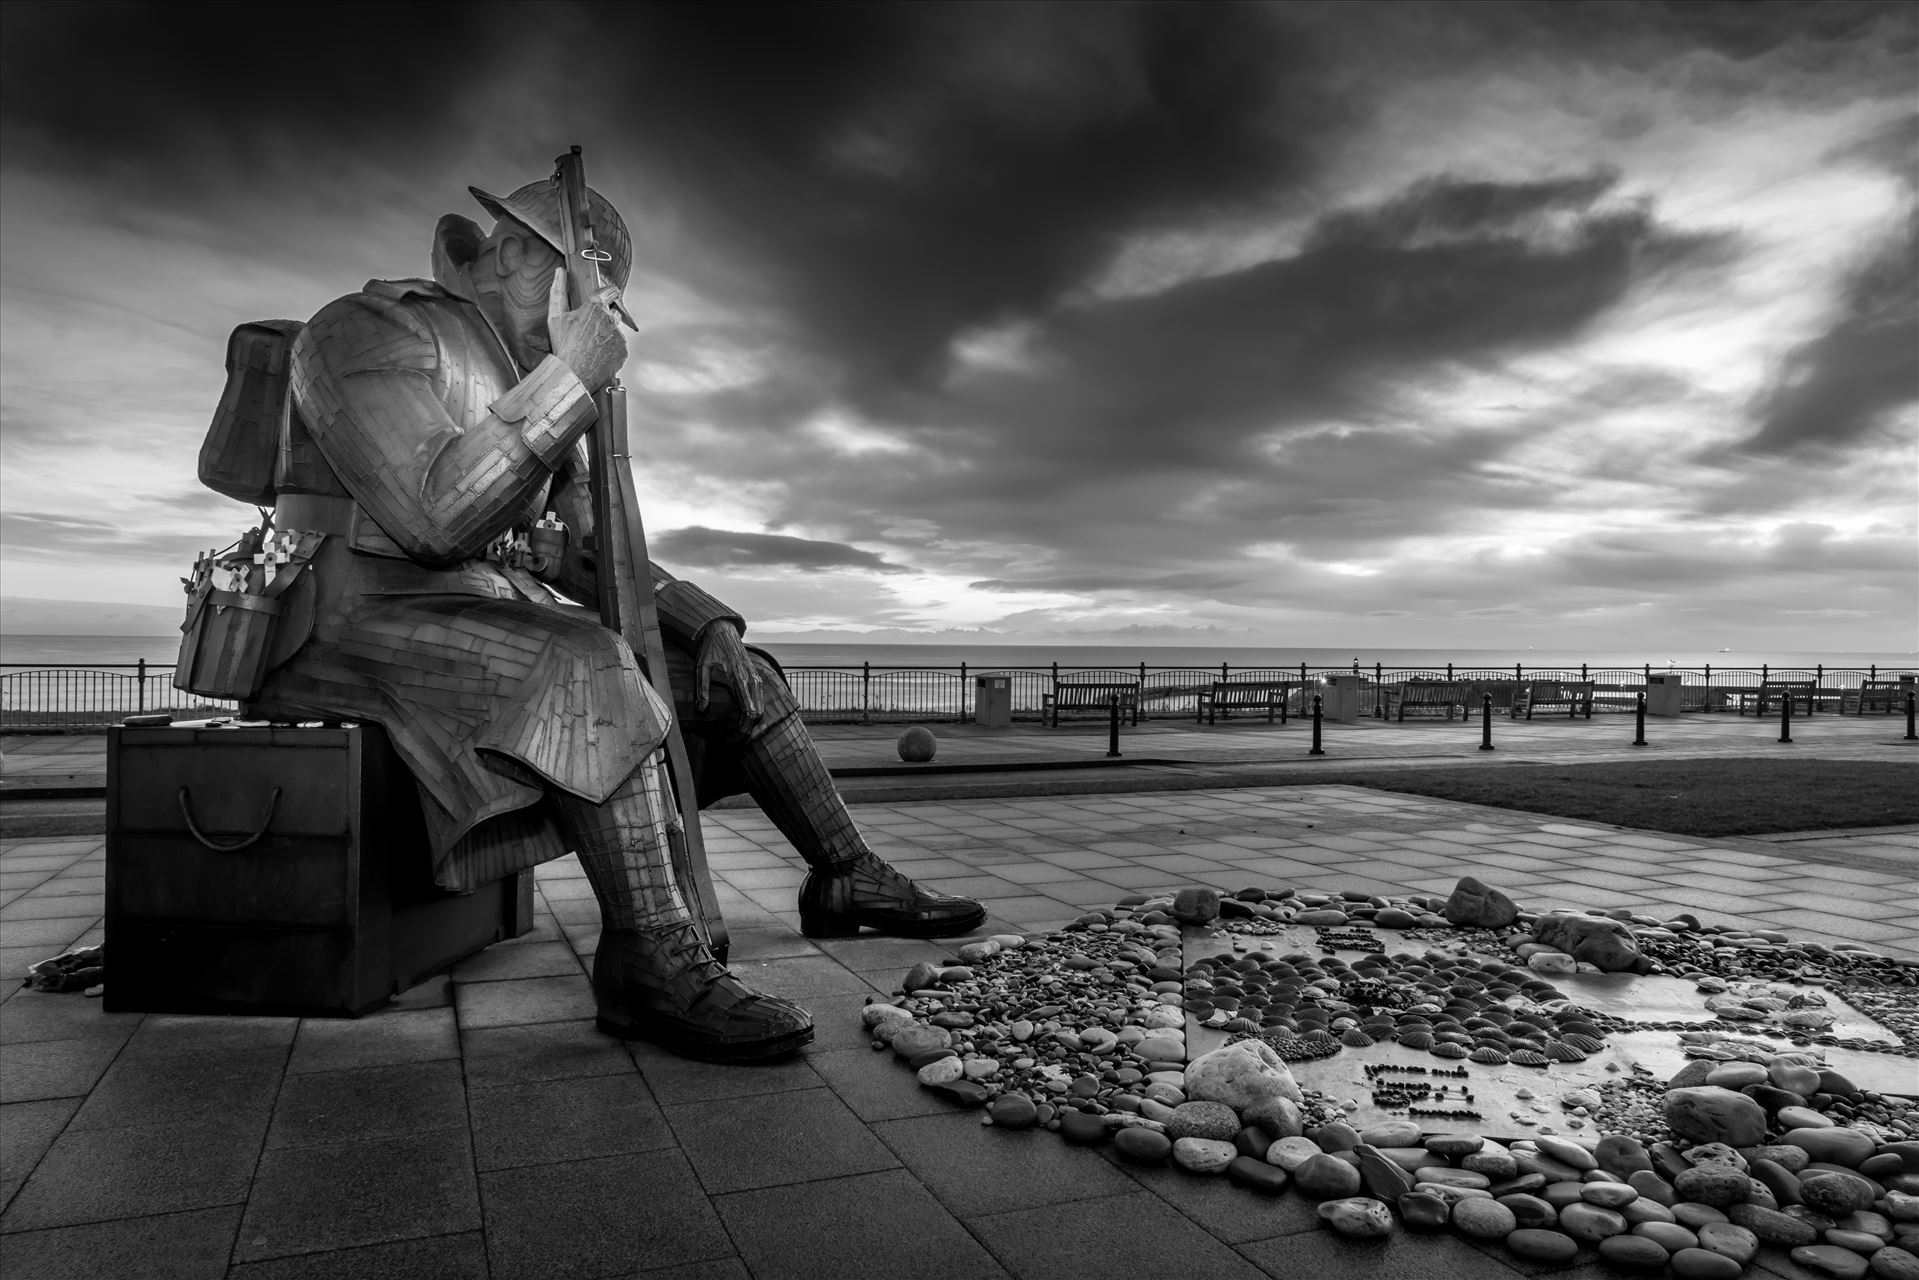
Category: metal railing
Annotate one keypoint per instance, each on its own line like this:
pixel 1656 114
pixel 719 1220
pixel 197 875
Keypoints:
pixel 42 697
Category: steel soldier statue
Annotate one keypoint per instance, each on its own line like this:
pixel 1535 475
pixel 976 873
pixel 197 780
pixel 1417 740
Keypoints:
pixel 430 421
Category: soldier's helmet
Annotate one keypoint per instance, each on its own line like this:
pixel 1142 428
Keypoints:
pixel 536 206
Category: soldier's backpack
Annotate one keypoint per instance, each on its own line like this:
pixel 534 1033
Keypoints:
pixel 242 446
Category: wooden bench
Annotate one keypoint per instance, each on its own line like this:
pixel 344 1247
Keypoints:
pixel 1424 696
pixel 1077 695
pixel 1802 692
pixel 1226 696
pixel 1622 697
pixel 1891 692
pixel 1574 695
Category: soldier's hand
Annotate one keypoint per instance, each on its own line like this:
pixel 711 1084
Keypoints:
pixel 722 653
pixel 587 338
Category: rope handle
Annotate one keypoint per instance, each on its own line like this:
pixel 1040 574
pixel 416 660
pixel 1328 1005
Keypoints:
pixel 227 846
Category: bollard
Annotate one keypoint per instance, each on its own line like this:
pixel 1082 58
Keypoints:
pixel 1486 722
pixel 1112 729
pixel 1785 718
pixel 1316 751
pixel 1639 723
pixel 1910 735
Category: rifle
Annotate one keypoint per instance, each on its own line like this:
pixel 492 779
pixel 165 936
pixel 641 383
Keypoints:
pixel 624 578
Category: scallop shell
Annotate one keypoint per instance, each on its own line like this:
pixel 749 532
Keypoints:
pixel 1579 1027
pixel 1446 1049
pixel 1354 1038
pixel 1583 1042
pixel 1528 1058
pixel 1415 1039
pixel 1319 1035
pixel 1560 1051
pixel 1466 987
pixel 1482 1054
pixel 1246 1025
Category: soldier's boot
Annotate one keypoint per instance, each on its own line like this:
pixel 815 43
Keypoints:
pixel 654 977
pixel 848 885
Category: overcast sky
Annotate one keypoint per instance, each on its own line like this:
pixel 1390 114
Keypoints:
pixel 1578 325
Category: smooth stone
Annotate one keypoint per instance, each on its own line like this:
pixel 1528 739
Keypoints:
pixel 1155 1110
pixel 1357 1216
pixel 873 1014
pixel 1621 1156
pixel 1423 1211
pixel 1196 905
pixel 1633 1253
pixel 1453 1195
pixel 1413 1159
pixel 1836 1194
pixel 1731 1239
pixel 1556 963
pixel 1475 904
pixel 1337 1136
pixel 1710 1114
pixel 1531 1211
pixel 1212 1120
pixel 1538 1245
pixel 1803 1118
pixel 1541 1163
pixel 1384 1179
pixel 1276 1117
pixel 1848 1147
pixel 1670 1235
pixel 1832 1260
pixel 1588 1222
pixel 1857 1241
pixel 920 1038
pixel 1652 1187
pixel 1160 1049
pixel 1567 1152
pixel 1561 1194
pixel 1688 1214
pixel 1718 1185
pixel 1325 916
pixel 1454 1177
pixel 921 1061
pixel 1084 1130
pixel 1496 1165
pixel 1391 1133
pixel 1256 1175
pixel 1774 1178
pixel 1703 1264
pixel 1290 1153
pixel 1895 1263
pixel 1791 1159
pixel 1795 1077
pixel 1873 1224
pixel 1608 1195
pixel 1484 1219
pixel 1142 1145
pixel 942 1071
pixel 1016 1111
pixel 1524 1184
pixel 1240 1075
pixel 1644 1210
pixel 1453 1145
pixel 919 977
pixel 968 1093
pixel 1204 1155
pixel 1773 1227
pixel 1252 1141
pixel 1737 1075
pixel 1325 1177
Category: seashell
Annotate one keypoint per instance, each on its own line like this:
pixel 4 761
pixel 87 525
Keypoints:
pixel 1523 1029
pixel 1454 1037
pixel 1560 1051
pixel 1354 1038
pixel 1580 1027
pixel 1528 1058
pixel 1500 991
pixel 1415 1039
pixel 1483 1054
pixel 1319 1035
pixel 1584 1043
pixel 1244 1025
pixel 1466 986
pixel 1491 1040
pixel 1481 1024
pixel 1446 1049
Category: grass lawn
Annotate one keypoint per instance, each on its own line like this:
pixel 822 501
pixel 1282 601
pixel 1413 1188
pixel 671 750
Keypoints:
pixel 1710 797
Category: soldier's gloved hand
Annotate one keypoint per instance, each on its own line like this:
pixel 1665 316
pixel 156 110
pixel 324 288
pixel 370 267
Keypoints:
pixel 587 338
pixel 722 653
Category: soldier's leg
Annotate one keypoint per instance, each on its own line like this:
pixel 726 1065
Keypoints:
pixel 654 977
pixel 848 885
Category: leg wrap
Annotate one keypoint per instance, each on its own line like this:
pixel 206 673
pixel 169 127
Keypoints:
pixel 622 843
pixel 787 778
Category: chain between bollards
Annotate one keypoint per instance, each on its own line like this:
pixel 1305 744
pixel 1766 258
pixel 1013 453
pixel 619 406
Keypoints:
pixel 1639 722
pixel 1785 718
pixel 1112 729
pixel 1317 749
pixel 1486 722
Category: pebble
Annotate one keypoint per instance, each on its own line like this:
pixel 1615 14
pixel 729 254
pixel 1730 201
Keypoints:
pixel 1211 1120
pixel 1084 1130
pixel 1142 1146
pixel 1671 1236
pixel 1536 1245
pixel 1357 1216
pixel 1424 1211
pixel 1531 1211
pixel 1588 1222
pixel 1567 1152
pixel 1633 1253
pixel 1731 1239
pixel 1484 1219
pixel 1895 1263
pixel 943 1070
pixel 1014 1111
pixel 1290 1153
pixel 1608 1195
pixel 1831 1260
pixel 1326 1177
pixel 1773 1227
pixel 1704 1264
pixel 1256 1175
pixel 1204 1155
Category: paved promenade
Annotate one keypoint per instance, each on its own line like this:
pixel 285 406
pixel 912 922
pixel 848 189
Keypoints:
pixel 480 1126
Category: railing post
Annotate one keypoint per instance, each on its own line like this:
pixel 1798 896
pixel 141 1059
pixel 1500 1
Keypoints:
pixel 1639 722
pixel 1449 671
pixel 866 692
pixel 1785 716
pixel 1486 722
pixel 962 692
pixel 1910 701
pixel 1317 750
pixel 140 696
pixel 1112 728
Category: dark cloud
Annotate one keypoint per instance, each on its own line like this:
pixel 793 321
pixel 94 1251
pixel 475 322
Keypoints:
pixel 53 536
pixel 730 549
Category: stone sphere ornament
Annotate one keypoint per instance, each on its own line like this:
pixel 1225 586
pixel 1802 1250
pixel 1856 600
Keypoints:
pixel 917 745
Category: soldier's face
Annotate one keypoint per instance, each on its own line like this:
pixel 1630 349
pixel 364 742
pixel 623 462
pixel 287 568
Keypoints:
pixel 523 267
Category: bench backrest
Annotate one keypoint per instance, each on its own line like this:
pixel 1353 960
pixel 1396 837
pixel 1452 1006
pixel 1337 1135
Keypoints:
pixel 1076 690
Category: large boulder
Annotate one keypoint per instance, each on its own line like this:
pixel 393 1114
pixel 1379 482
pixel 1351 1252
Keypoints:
pixel 1712 1114
pixel 1241 1075
pixel 1479 905
pixel 1605 944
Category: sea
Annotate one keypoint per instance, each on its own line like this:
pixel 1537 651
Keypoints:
pixel 85 651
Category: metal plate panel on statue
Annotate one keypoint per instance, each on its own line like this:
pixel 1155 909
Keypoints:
pixel 1510 1099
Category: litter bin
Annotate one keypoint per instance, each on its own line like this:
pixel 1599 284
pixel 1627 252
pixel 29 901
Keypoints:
pixel 1662 694
pixel 993 701
pixel 1341 698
